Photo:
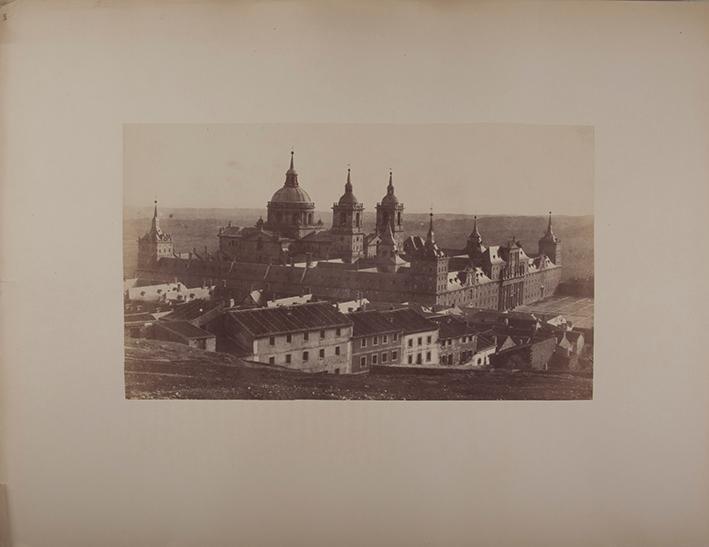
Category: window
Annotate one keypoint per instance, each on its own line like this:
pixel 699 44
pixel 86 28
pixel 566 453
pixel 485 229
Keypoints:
pixel 305 356
pixel 418 358
pixel 411 342
pixel 385 339
pixel 289 338
pixel 337 371
pixel 337 350
pixel 394 355
pixel 374 358
pixel 384 357
pixel 322 334
pixel 420 341
pixel 287 358
pixel 271 340
pixel 410 359
pixel 396 336
pixel 306 335
pixel 338 331
pixel 322 353
pixel 428 356
pixel 375 340
pixel 363 362
pixel 364 343
pixel 428 340
pixel 271 360
pixel 478 360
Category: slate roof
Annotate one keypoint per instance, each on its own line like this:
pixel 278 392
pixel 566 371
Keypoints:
pixel 269 321
pixel 184 329
pixel 410 321
pixel 372 322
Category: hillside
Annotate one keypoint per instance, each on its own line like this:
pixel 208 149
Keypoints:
pixel 195 228
pixel 164 370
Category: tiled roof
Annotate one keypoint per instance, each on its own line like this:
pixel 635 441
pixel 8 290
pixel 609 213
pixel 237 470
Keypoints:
pixel 410 321
pixel 184 328
pixel 452 327
pixel 372 322
pixel 267 321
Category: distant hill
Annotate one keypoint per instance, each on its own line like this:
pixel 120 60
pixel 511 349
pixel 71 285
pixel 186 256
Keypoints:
pixel 198 228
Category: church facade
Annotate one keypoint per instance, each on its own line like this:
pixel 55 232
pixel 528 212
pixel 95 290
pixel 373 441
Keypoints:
pixel 290 251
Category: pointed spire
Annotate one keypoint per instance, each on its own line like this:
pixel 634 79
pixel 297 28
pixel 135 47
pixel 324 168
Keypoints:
pixel 549 230
pixel 390 186
pixel 430 236
pixel 291 174
pixel 155 225
pixel 388 235
pixel 348 184
pixel 475 234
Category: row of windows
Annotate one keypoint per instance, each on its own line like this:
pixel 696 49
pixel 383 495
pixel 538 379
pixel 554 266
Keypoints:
pixel 375 340
pixel 373 358
pixel 306 336
pixel 463 340
pixel 305 357
pixel 419 341
pixel 419 358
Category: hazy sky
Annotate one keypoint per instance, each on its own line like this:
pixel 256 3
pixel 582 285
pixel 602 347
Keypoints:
pixel 466 168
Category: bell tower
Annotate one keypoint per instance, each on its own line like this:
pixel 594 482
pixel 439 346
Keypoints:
pixel 390 211
pixel 347 217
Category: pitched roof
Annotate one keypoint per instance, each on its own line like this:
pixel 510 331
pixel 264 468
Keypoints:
pixel 185 329
pixel 268 321
pixel 410 321
pixel 453 327
pixel 191 310
pixel 372 322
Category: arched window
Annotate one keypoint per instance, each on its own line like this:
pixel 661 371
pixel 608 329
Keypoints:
pixel 343 218
pixel 357 220
pixel 310 218
pixel 398 218
pixel 295 218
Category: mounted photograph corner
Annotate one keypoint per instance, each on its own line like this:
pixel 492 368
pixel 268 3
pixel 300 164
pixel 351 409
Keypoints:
pixel 452 261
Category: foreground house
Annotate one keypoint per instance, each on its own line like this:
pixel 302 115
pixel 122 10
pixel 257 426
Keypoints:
pixel 184 332
pixel 535 355
pixel 419 340
pixel 313 337
pixel 376 340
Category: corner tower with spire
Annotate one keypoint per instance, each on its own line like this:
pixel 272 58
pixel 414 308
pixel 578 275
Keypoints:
pixel 429 264
pixel 155 244
pixel 347 218
pixel 550 245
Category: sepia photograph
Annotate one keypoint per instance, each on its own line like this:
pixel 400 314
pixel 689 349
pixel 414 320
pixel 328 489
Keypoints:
pixel 304 273
pixel 358 261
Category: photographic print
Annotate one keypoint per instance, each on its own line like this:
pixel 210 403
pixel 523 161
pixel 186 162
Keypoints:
pixel 358 261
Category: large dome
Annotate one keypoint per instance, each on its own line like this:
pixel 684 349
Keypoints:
pixel 291 194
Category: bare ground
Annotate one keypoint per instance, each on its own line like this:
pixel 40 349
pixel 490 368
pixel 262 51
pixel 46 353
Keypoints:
pixel 163 370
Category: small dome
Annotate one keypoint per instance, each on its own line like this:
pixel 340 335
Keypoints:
pixel 290 194
pixel 348 198
pixel 390 199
